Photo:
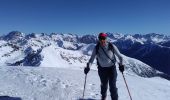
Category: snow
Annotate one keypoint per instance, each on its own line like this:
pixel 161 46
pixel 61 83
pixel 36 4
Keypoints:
pixel 51 83
pixel 52 58
pixel 67 44
pixel 138 68
pixel 5 50
pixel 8 55
pixel 59 57
pixel 87 49
pixel 60 73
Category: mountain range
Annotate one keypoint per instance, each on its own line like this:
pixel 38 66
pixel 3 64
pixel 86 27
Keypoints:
pixel 145 55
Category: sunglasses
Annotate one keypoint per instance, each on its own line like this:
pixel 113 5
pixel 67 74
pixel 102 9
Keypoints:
pixel 102 38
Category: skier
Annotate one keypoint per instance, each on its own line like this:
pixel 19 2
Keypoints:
pixel 105 53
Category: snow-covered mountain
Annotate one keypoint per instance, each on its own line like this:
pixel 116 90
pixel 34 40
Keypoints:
pixel 56 50
pixel 148 48
pixel 53 66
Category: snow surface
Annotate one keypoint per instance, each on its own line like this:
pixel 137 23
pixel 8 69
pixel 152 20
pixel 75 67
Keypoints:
pixel 51 83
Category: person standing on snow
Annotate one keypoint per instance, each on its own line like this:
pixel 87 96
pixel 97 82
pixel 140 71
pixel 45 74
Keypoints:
pixel 105 53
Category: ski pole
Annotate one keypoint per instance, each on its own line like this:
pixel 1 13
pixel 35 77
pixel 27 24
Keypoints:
pixel 126 86
pixel 84 85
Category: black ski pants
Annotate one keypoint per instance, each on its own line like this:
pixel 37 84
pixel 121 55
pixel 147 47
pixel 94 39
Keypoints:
pixel 108 75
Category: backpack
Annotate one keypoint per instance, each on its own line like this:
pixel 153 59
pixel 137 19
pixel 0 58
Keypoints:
pixel 109 48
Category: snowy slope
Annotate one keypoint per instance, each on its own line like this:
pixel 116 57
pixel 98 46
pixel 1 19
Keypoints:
pixel 49 83
pixel 59 57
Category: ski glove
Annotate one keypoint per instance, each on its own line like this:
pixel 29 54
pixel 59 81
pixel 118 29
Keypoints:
pixel 86 69
pixel 121 68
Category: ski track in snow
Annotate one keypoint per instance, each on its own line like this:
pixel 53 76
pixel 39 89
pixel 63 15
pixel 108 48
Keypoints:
pixel 43 83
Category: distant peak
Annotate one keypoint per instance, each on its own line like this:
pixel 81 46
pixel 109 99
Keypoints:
pixel 14 35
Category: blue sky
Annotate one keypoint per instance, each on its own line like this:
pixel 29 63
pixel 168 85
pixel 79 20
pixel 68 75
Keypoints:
pixel 85 16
